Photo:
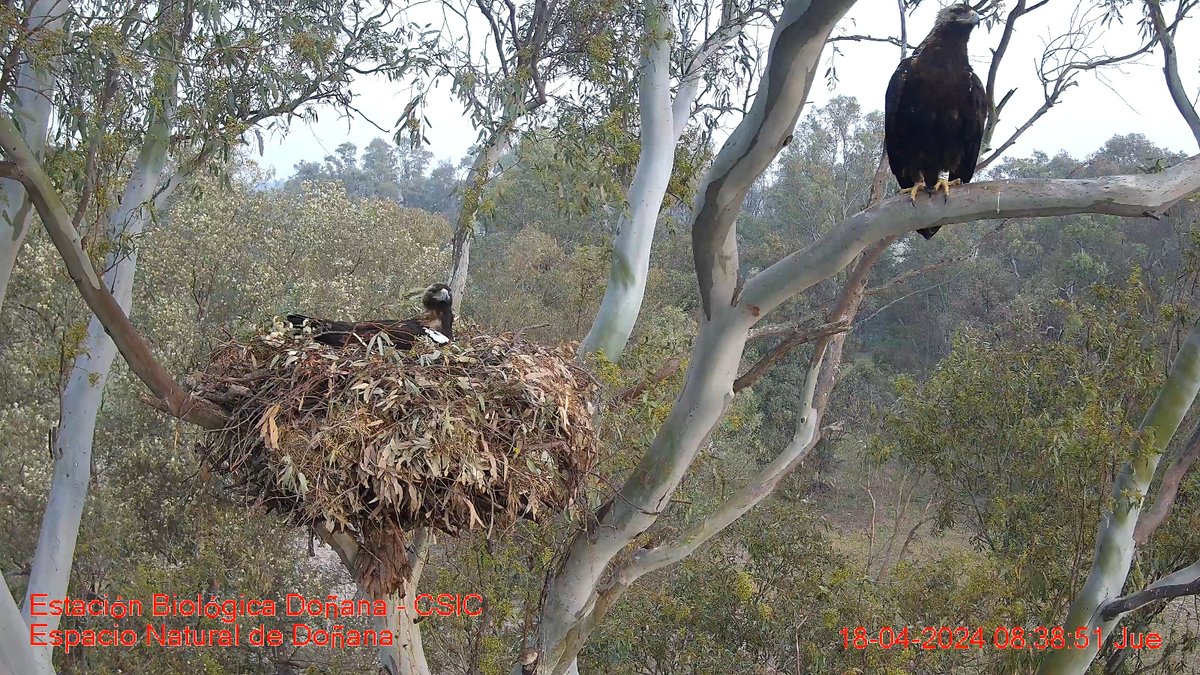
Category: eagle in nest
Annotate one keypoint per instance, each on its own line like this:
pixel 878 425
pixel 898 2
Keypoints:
pixel 436 323
pixel 935 110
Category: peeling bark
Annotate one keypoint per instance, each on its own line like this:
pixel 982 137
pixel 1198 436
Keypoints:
pixel 406 655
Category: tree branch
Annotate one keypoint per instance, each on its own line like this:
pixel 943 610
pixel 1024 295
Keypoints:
pixel 796 47
pixel 16 653
pixel 904 278
pixel 801 336
pixel 1175 585
pixel 1114 549
pixel 790 327
pixel 418 553
pixel 870 38
pixel 1061 63
pixel 129 341
pixel 669 368
pixel 1166 37
pixel 1019 10
pixel 1132 196
pixel 756 490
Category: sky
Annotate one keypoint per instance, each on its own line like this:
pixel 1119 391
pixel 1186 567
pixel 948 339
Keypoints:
pixel 1131 98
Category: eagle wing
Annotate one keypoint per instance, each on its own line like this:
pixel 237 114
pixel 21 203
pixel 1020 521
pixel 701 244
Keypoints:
pixel 340 333
pixel 893 133
pixel 325 331
pixel 974 119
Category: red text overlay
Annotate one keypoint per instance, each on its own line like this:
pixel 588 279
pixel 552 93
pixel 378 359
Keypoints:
pixel 229 622
pixel 1037 638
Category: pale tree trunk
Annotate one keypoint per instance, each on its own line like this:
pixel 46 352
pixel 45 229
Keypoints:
pixel 661 126
pixel 83 393
pixel 31 107
pixel 1115 543
pixel 574 603
pixel 16 653
pixel 573 595
pixel 464 229
pixel 663 122
pixel 406 655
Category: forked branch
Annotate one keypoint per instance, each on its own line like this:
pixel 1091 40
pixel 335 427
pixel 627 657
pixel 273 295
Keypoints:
pixel 799 337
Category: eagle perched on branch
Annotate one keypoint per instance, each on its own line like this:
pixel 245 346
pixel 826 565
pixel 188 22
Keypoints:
pixel 436 323
pixel 935 110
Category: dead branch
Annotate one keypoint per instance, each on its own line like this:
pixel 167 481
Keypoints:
pixel 1176 585
pixel 1063 60
pixel 995 108
pixel 869 38
pixel 789 328
pixel 668 369
pixel 800 337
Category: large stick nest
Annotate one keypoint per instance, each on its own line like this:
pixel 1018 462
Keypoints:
pixel 374 442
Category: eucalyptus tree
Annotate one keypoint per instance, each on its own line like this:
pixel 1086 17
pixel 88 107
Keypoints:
pixel 685 52
pixel 1063 60
pixel 148 95
pixel 506 61
pixel 610 553
pixel 1100 604
pixel 31 50
pixel 598 565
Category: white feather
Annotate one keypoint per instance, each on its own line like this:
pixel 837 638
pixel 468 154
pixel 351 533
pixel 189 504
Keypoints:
pixel 436 336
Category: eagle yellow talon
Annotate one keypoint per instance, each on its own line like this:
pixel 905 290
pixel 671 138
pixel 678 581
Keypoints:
pixel 945 185
pixel 912 192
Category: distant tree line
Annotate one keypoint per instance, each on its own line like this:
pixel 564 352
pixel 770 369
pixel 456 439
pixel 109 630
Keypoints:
pixel 401 173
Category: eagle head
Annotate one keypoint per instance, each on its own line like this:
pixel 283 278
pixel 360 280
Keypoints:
pixel 957 14
pixel 438 296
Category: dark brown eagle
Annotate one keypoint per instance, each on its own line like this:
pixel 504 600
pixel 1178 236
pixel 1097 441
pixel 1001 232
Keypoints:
pixel 935 110
pixel 436 323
